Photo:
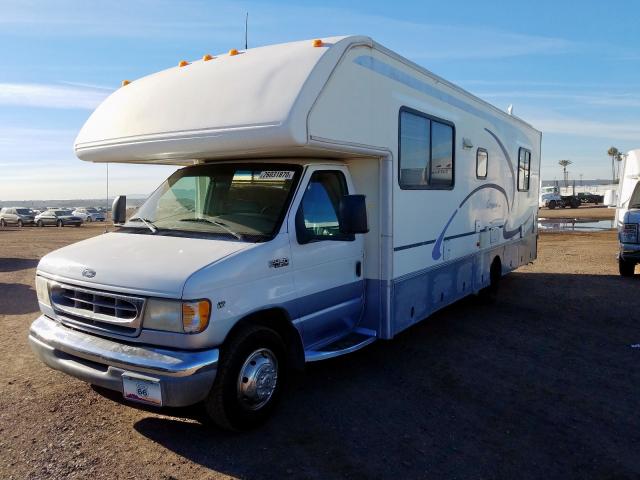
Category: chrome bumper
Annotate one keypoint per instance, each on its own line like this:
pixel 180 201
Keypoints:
pixel 185 376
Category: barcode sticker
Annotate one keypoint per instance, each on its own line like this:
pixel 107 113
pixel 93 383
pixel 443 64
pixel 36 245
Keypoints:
pixel 276 175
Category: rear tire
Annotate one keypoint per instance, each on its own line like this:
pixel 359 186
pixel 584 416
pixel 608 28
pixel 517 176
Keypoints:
pixel 249 380
pixel 20 224
pixel 39 223
pixel 489 294
pixel 552 205
pixel 626 267
pixel 2 223
pixel 59 223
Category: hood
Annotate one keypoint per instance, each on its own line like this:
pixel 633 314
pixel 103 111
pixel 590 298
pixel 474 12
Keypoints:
pixel 144 264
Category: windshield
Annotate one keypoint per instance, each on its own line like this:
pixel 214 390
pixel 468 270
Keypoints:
pixel 91 210
pixel 246 202
pixel 63 212
pixel 23 211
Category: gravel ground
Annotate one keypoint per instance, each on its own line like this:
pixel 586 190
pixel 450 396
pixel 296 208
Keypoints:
pixel 543 384
pixel 599 212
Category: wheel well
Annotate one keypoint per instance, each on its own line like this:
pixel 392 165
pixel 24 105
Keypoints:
pixel 278 320
pixel 495 271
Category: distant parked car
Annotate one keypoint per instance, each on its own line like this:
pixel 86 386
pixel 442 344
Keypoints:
pixel 59 218
pixel 16 216
pixel 89 214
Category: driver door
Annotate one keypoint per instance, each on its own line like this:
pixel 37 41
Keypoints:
pixel 327 264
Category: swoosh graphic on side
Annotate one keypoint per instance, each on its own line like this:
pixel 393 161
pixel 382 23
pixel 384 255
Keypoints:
pixel 482 187
pixel 509 163
pixel 436 253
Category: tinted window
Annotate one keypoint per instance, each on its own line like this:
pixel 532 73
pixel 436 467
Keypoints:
pixel 482 161
pixel 415 145
pixel 319 207
pixel 524 169
pixel 23 211
pixel 426 152
pixel 441 154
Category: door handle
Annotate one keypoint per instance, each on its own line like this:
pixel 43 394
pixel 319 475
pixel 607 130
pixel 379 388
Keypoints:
pixel 358 269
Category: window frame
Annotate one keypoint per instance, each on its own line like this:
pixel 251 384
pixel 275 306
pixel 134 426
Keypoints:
pixel 343 237
pixel 486 172
pixel 528 170
pixel 431 118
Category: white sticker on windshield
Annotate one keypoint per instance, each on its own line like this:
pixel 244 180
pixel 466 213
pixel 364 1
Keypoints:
pixel 276 175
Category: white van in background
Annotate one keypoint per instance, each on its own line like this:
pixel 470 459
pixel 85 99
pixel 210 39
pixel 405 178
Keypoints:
pixel 628 214
pixel 333 194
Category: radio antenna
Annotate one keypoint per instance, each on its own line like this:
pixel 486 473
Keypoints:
pixel 246 31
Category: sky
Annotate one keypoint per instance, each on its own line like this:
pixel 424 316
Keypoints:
pixel 571 69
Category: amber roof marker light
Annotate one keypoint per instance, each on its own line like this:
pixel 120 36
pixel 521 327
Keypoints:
pixel 233 52
pixel 125 83
pixel 207 57
pixel 183 63
pixel 318 43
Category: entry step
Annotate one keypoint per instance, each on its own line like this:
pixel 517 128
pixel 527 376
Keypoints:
pixel 356 340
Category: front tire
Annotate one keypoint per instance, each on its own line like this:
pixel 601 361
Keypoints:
pixel 626 267
pixel 552 205
pixel 39 223
pixel 20 224
pixel 59 223
pixel 249 379
pixel 2 223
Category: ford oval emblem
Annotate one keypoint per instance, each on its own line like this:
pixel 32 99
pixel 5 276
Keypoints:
pixel 87 272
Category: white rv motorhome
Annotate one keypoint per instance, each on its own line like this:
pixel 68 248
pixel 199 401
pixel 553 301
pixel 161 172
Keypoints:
pixel 628 214
pixel 333 193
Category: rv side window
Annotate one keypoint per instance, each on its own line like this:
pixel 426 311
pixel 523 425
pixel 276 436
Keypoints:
pixel 320 206
pixel 426 154
pixel 524 169
pixel 482 161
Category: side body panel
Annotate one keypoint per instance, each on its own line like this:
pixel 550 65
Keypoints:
pixel 443 241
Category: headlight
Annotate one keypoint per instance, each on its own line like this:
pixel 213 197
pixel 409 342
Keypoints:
pixel 42 290
pixel 629 233
pixel 173 316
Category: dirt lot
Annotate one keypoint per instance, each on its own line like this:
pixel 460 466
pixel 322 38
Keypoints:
pixel 544 384
pixel 599 212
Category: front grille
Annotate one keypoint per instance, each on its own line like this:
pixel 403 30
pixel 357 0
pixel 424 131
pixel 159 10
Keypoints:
pixel 97 310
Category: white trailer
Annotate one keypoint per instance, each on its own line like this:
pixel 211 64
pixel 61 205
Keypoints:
pixel 628 214
pixel 255 256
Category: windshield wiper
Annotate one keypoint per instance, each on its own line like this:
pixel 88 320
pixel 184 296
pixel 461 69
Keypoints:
pixel 213 222
pixel 148 223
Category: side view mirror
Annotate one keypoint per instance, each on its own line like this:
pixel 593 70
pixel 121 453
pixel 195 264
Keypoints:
pixel 119 210
pixel 353 214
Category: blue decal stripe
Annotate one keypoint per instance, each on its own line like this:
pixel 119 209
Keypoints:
pixel 413 245
pixel 482 187
pixel 509 163
pixel 460 235
pixel 436 252
pixel 429 242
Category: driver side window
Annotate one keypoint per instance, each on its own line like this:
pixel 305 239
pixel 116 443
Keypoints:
pixel 317 217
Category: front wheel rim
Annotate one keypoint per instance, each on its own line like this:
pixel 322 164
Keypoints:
pixel 258 379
